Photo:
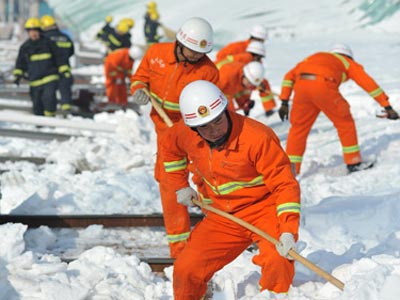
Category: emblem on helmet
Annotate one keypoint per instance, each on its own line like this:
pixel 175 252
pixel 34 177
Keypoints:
pixel 203 43
pixel 203 111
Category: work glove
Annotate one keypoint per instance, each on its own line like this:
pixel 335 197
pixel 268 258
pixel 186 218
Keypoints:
pixel 140 97
pixel 286 242
pixel 284 110
pixel 391 113
pixel 249 104
pixel 184 196
pixel 17 80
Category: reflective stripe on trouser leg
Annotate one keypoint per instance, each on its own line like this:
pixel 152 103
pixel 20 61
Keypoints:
pixel 176 216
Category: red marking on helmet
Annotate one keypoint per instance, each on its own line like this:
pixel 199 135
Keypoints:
pixel 216 103
pixel 190 116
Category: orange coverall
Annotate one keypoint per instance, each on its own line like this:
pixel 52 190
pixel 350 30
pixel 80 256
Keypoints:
pixel 244 57
pixel 232 48
pixel 230 82
pixel 117 66
pixel 165 78
pixel 316 82
pixel 249 177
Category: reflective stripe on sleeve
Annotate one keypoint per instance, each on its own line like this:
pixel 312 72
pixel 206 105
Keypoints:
pixel 295 158
pixel 287 83
pixel 290 207
pixel 178 165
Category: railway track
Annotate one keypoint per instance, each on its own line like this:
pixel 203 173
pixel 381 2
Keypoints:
pixel 157 264
pixel 34 160
pixel 36 135
pixel 79 221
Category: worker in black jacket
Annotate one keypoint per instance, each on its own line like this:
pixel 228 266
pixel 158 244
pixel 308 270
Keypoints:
pixel 65 49
pixel 37 61
pixel 151 24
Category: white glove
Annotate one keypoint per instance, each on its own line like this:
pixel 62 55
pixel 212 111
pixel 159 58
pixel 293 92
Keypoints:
pixel 140 97
pixel 184 196
pixel 286 243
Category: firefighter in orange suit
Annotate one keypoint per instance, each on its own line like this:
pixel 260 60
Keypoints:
pixel 165 69
pixel 245 173
pixel 118 66
pixel 316 82
pixel 255 51
pixel 257 33
pixel 238 80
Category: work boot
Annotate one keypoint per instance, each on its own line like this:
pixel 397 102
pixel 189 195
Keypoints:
pixel 269 113
pixel 360 166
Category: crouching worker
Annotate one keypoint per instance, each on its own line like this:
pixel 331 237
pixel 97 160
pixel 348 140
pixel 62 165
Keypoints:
pixel 244 172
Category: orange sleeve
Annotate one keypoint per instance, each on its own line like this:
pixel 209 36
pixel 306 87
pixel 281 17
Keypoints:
pixel 287 84
pixel 267 96
pixel 356 72
pixel 272 162
pixel 232 48
pixel 174 157
pixel 141 77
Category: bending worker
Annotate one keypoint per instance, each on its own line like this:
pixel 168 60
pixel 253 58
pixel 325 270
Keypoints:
pixel 118 66
pixel 238 81
pixel 164 71
pixel 244 172
pixel 316 82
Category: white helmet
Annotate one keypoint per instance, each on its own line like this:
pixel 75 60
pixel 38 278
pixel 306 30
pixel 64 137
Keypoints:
pixel 197 35
pixel 201 102
pixel 135 52
pixel 254 72
pixel 259 32
pixel 342 49
pixel 256 47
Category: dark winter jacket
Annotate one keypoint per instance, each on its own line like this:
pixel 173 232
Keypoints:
pixel 65 47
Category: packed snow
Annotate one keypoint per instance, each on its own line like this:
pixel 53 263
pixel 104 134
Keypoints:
pixel 350 223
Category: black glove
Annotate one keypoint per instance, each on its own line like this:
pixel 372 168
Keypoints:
pixel 391 113
pixel 284 110
pixel 17 80
pixel 249 104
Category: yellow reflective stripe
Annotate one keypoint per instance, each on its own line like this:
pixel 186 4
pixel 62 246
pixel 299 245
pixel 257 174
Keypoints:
pixel 351 149
pixel 49 113
pixel 240 94
pixel 175 238
pixel 44 80
pixel 18 72
pixel 66 106
pixel 267 98
pixel 114 40
pixel 342 59
pixel 42 56
pixel 227 60
pixel 166 104
pixel 178 165
pixel 63 68
pixel 344 77
pixel 205 200
pixel 295 158
pixel 376 93
pixel 230 187
pixel 64 44
pixel 287 83
pixel 135 83
pixel 290 207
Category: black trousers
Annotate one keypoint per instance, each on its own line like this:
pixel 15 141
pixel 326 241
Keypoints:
pixel 44 98
pixel 65 88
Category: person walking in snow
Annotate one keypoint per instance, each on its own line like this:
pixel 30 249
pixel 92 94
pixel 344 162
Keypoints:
pixel 65 48
pixel 39 62
pixel 238 81
pixel 257 33
pixel 315 82
pixel 164 71
pixel 118 66
pixel 151 24
pixel 243 171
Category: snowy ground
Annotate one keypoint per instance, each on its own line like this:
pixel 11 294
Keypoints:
pixel 350 223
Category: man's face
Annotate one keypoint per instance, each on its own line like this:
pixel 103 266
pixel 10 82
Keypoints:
pixel 192 56
pixel 247 84
pixel 34 34
pixel 214 130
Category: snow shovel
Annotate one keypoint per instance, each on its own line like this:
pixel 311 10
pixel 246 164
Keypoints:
pixel 159 109
pixel 336 282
